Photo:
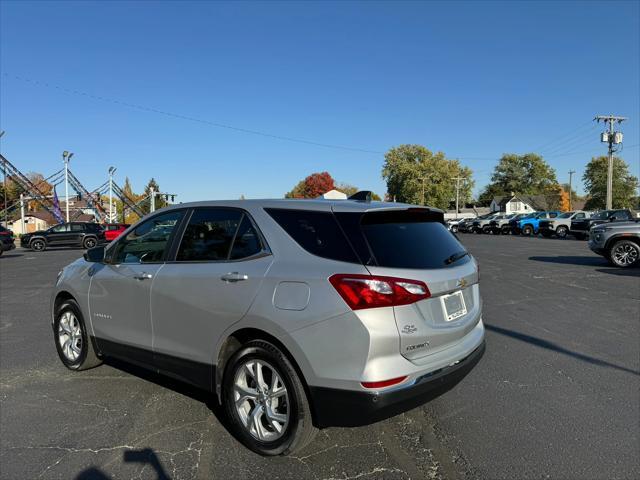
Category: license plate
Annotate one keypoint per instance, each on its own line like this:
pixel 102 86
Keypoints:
pixel 453 306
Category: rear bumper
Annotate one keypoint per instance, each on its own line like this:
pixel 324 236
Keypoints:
pixel 6 246
pixel 347 408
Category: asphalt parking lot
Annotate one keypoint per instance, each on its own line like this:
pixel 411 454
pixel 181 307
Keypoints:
pixel 555 396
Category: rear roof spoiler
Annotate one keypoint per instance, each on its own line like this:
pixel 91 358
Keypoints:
pixel 361 196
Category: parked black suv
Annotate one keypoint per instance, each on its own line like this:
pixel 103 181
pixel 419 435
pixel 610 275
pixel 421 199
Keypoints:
pixel 74 234
pixel 580 227
pixel 6 240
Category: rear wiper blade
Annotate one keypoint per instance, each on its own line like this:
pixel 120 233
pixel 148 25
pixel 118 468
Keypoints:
pixel 455 257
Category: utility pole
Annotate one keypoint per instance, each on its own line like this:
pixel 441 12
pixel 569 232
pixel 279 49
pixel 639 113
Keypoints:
pixel 153 200
pixel 612 138
pixel 457 179
pixel 571 172
pixel 112 170
pixel 66 156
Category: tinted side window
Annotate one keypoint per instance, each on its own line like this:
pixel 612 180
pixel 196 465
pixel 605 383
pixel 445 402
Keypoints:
pixel 553 215
pixel 76 227
pixel 247 241
pixel 60 228
pixel 317 232
pixel 148 242
pixel 579 215
pixel 209 235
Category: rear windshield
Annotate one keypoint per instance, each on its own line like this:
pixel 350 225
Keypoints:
pixel 411 239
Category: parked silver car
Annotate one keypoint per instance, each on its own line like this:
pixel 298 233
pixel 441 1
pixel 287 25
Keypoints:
pixel 297 314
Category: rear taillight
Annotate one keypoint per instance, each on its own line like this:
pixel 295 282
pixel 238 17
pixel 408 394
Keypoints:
pixel 371 291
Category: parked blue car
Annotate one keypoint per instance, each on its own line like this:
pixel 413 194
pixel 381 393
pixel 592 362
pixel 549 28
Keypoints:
pixel 530 224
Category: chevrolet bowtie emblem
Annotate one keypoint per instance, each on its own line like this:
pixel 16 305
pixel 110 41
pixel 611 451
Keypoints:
pixel 462 283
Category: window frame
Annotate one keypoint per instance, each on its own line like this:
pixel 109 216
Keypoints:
pixel 170 242
pixel 173 252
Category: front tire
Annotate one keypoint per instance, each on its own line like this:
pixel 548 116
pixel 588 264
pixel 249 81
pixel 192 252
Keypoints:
pixel 624 254
pixel 562 231
pixel 72 339
pixel 265 401
pixel 527 230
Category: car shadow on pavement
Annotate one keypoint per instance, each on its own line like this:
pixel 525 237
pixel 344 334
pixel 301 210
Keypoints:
pixel 10 255
pixel 572 260
pixel 623 272
pixel 538 342
pixel 146 456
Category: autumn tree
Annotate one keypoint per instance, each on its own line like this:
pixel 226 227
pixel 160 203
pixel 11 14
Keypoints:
pixel 410 170
pixel 527 174
pixel 595 182
pixel 312 186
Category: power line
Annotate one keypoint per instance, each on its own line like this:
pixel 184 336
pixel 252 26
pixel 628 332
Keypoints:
pixel 545 145
pixel 191 119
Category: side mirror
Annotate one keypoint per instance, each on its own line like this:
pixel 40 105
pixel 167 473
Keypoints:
pixel 95 254
pixel 613 219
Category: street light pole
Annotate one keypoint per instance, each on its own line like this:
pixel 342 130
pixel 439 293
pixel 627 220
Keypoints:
pixel 112 170
pixel 22 213
pixel 4 189
pixel 66 156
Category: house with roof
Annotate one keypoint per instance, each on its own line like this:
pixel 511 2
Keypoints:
pixel 519 203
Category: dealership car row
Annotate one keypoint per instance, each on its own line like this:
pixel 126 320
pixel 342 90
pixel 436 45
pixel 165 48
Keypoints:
pixel 614 234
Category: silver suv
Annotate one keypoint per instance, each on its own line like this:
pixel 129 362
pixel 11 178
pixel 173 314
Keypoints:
pixel 618 242
pixel 297 314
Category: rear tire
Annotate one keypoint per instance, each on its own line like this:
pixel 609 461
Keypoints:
pixel 268 424
pixel 73 343
pixel 89 243
pixel 38 245
pixel 624 254
pixel 562 231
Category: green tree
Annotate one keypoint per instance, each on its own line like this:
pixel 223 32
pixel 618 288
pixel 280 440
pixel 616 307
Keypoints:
pixel 410 168
pixel 527 174
pixel 595 183
pixel 159 200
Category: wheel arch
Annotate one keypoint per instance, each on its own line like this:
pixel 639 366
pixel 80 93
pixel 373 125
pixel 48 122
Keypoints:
pixel 239 337
pixel 620 236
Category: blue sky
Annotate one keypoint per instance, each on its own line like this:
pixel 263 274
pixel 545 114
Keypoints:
pixel 473 79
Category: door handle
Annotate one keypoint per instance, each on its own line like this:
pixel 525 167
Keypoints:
pixel 142 276
pixel 234 277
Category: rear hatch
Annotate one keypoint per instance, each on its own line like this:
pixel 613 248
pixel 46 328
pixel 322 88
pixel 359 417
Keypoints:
pixel 413 244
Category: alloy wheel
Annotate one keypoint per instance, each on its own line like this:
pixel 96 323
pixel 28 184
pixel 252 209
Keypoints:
pixel 261 400
pixel 90 243
pixel 70 336
pixel 38 245
pixel 625 254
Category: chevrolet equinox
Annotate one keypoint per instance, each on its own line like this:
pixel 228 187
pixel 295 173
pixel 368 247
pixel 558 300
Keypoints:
pixel 296 314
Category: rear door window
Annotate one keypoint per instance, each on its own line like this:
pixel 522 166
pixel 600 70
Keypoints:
pixel 209 235
pixel 407 239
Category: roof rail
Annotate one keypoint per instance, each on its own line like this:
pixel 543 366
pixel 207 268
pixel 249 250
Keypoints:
pixel 361 196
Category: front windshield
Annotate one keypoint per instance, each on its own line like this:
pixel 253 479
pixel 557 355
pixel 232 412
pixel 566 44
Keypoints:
pixel 566 215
